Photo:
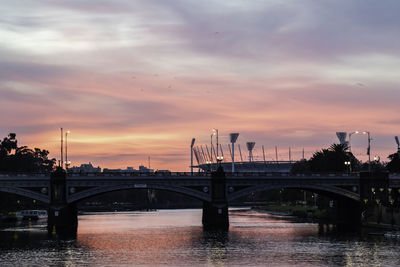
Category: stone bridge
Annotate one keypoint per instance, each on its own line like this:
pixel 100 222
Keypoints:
pixel 62 191
pixel 85 185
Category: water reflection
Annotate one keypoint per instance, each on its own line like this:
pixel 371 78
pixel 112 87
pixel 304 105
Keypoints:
pixel 215 244
pixel 176 237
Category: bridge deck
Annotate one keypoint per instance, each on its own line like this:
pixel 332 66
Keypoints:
pixel 82 185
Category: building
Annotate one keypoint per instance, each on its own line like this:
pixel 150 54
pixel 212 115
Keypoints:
pixel 85 168
pixel 128 170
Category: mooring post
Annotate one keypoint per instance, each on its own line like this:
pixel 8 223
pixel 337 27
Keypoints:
pixel 62 220
pixel 215 213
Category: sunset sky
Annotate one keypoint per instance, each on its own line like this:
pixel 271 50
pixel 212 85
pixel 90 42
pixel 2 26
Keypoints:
pixel 132 79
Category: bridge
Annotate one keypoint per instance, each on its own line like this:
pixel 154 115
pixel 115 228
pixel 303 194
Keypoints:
pixel 197 185
pixel 216 190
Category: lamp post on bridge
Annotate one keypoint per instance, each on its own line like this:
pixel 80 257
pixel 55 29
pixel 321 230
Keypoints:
pixel 61 163
pixel 368 147
pixel 215 132
pixel 369 150
pixel 209 165
pixel 211 158
pixel 348 163
pixel 191 155
pixel 66 151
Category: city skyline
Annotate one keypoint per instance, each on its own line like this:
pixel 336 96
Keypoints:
pixel 133 79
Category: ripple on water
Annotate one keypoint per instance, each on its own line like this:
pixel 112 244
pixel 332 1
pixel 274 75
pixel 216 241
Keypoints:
pixel 176 237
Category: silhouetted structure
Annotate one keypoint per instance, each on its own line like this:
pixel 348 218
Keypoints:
pixel 62 216
pixel 215 212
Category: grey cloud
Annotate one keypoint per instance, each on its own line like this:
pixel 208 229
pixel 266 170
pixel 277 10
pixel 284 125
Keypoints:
pixel 17 70
pixel 347 96
pixel 29 129
pixel 100 6
pixel 391 121
pixel 266 34
pixel 331 29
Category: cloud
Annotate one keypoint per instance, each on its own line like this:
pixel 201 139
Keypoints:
pixel 87 7
pixel 134 78
pixel 31 71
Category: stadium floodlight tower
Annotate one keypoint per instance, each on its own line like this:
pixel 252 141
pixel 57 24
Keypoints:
pixel 234 137
pixel 250 146
pixel 398 144
pixel 191 155
pixel 342 137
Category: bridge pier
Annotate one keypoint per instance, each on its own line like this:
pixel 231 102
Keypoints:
pixel 215 216
pixel 215 213
pixel 62 220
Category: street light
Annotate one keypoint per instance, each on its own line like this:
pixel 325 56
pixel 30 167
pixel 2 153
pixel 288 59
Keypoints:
pixel 348 163
pixel 191 155
pixel 216 131
pixel 66 150
pixel 61 162
pixel 369 150
pixel 209 165
pixel 211 159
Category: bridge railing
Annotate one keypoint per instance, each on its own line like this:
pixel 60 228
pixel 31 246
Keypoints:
pixel 205 174
pixel 138 174
pixel 288 174
pixel 186 174
pixel 23 174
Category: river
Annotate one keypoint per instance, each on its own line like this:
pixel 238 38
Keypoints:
pixel 176 238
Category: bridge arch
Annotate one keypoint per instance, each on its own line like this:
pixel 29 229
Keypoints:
pixel 323 190
pixel 197 194
pixel 26 193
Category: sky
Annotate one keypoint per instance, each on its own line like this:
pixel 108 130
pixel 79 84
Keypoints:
pixel 138 79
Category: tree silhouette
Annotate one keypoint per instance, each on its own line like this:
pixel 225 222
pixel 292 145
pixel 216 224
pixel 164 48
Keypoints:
pixel 7 145
pixel 394 164
pixel 301 166
pixel 331 159
pixel 23 159
pixel 328 159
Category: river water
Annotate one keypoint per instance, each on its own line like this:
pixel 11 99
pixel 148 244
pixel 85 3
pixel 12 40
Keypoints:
pixel 176 238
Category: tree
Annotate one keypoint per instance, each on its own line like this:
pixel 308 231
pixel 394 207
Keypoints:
pixel 301 166
pixel 394 164
pixel 328 159
pixel 7 145
pixel 23 159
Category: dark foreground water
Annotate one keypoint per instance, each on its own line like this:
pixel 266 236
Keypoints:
pixel 176 238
